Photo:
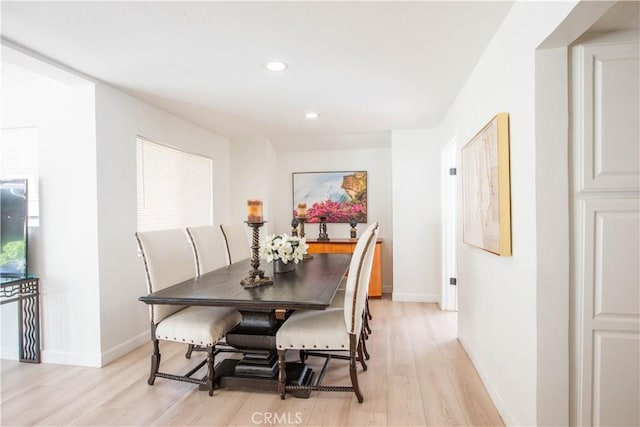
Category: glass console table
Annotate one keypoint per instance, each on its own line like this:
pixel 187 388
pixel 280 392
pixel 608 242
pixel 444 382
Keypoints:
pixel 25 291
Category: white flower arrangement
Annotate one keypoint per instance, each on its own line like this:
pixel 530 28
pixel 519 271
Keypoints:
pixel 283 247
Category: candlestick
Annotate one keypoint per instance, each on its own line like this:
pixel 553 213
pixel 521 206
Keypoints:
pixel 256 277
pixel 323 229
pixel 353 223
pixel 254 210
pixel 302 220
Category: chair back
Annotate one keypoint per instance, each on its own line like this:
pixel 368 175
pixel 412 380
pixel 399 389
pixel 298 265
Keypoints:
pixel 237 241
pixel 168 260
pixel 355 294
pixel 209 248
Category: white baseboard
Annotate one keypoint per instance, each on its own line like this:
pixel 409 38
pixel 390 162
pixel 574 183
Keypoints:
pixel 57 357
pixel 408 297
pixel 493 393
pixel 93 360
pixel 125 347
pixel 9 353
pixel 70 358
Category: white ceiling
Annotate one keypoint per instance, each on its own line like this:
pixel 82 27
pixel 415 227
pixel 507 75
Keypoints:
pixel 366 67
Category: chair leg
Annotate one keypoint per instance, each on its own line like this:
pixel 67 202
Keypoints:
pixel 364 347
pixel 189 351
pixel 366 317
pixel 211 372
pixel 360 355
pixel 364 335
pixel 155 362
pixel 352 367
pixel 282 376
pixel 367 328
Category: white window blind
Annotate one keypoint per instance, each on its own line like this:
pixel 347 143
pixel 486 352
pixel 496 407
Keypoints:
pixel 174 187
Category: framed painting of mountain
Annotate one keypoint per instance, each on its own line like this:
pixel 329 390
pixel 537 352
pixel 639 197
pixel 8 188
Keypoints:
pixel 338 196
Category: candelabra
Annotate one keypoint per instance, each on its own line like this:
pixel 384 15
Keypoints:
pixel 353 223
pixel 256 276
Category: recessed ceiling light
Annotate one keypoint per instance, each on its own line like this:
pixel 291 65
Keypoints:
pixel 276 66
pixel 312 115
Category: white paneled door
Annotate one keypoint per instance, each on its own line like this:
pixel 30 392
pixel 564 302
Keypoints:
pixel 606 232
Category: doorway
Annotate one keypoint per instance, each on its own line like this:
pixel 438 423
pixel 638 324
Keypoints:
pixel 449 290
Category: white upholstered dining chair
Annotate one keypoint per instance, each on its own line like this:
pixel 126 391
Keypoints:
pixel 168 260
pixel 209 248
pixel 237 241
pixel 332 329
pixel 338 302
pixel 210 253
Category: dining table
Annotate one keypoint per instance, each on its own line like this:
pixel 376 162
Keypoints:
pixel 312 285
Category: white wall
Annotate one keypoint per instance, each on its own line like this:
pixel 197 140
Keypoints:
pixel 552 236
pixel 498 296
pixel 84 249
pixel 120 119
pixel 253 165
pixel 63 248
pixel 378 166
pixel 415 156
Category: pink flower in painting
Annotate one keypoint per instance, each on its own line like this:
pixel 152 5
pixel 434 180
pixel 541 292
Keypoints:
pixel 336 211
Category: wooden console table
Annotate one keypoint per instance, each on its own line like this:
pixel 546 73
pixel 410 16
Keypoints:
pixel 347 246
pixel 26 291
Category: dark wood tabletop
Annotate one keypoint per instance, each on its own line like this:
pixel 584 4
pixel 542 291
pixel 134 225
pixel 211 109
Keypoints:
pixel 311 285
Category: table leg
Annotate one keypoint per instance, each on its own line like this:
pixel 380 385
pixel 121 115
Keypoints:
pixel 258 369
pixel 29 337
pixel 26 293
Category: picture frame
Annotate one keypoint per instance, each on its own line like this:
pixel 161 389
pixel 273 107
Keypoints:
pixel 486 192
pixel 340 196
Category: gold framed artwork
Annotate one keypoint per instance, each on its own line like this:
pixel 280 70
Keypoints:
pixel 486 193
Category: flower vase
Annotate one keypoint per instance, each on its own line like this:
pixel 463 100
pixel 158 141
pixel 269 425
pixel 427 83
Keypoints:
pixel 280 267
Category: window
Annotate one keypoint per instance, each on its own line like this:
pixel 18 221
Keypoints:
pixel 174 187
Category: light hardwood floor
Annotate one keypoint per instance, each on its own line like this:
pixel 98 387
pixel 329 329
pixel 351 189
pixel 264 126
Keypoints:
pixel 418 375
